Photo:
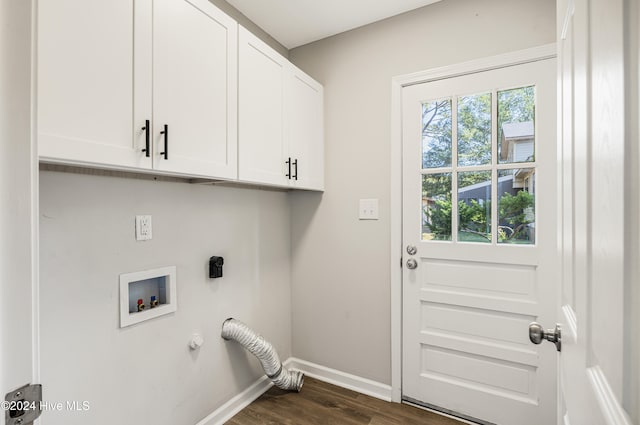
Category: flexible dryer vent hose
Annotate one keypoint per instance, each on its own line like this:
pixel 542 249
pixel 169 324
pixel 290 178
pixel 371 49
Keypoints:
pixel 233 329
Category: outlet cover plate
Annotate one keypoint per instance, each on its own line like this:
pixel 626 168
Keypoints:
pixel 143 228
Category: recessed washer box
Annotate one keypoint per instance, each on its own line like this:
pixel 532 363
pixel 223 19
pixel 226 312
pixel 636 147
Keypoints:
pixel 155 288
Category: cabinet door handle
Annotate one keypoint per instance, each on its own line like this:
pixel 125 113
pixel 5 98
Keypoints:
pixel 166 142
pixel 288 162
pixel 295 164
pixel 147 132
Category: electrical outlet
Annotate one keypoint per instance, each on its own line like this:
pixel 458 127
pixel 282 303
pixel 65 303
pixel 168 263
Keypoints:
pixel 368 209
pixel 143 227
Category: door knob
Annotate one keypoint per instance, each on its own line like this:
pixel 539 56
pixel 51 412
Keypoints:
pixel 411 250
pixel 537 333
pixel 412 263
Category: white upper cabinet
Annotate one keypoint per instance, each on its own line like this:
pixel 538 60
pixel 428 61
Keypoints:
pixel 194 88
pixel 106 68
pixel 261 97
pixel 173 87
pixel 280 119
pixel 87 69
pixel 305 126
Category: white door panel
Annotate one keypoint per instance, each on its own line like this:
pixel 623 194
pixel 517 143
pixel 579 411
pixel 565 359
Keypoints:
pixel 467 305
pixel 594 204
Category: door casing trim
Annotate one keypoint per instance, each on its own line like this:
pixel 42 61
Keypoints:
pixel 533 54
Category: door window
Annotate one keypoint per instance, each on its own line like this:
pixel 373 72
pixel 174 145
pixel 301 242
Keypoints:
pixel 494 152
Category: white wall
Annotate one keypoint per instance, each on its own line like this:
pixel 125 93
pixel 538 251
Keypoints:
pixel 340 266
pixel 145 373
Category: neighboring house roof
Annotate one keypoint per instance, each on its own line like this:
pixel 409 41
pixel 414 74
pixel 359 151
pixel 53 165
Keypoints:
pixel 483 184
pixel 515 132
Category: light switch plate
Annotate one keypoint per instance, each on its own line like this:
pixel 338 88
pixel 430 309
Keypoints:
pixel 143 227
pixel 368 209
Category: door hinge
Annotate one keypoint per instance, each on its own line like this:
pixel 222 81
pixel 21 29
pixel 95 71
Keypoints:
pixel 23 406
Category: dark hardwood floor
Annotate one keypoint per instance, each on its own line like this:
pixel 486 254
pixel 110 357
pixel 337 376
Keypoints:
pixel 320 403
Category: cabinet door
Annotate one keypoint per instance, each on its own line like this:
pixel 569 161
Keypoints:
pixel 305 126
pixel 261 112
pixel 195 89
pixel 91 104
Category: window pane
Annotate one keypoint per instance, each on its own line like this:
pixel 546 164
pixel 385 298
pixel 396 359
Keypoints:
pixel 474 206
pixel 436 207
pixel 436 134
pixel 474 129
pixel 516 113
pixel 516 206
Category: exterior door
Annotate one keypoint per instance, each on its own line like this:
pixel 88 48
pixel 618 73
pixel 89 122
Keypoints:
pixel 599 238
pixel 479 238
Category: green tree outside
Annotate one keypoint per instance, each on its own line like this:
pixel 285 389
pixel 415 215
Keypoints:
pixel 513 212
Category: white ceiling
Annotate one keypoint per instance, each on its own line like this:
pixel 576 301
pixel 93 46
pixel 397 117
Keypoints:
pixel 297 22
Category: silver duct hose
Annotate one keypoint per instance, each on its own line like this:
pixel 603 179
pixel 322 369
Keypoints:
pixel 233 329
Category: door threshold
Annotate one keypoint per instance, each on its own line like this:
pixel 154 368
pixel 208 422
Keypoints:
pixel 445 412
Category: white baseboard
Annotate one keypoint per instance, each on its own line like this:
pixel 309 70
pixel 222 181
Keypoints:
pixel 341 379
pixel 237 403
pixel 322 373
